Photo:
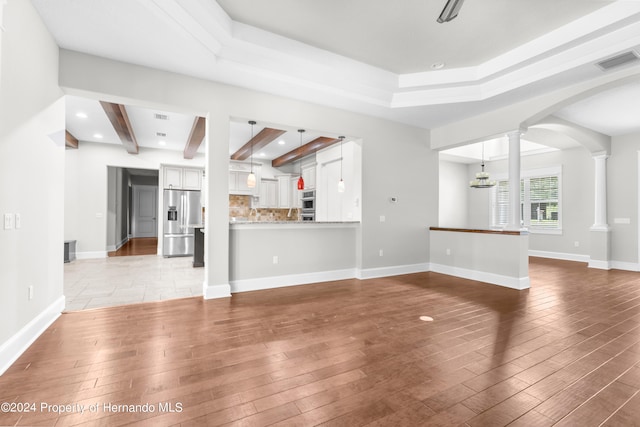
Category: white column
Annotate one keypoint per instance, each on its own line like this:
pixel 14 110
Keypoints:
pixel 514 180
pixel 600 211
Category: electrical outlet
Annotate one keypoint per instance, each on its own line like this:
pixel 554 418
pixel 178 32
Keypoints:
pixel 381 252
pixel 275 259
pixel 30 293
pixel 382 218
pixel 8 221
pixel 448 251
pixel 576 244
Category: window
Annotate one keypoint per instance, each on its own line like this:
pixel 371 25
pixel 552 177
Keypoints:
pixel 540 201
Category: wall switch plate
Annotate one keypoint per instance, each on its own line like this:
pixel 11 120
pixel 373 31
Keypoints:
pixel 448 251
pixel 30 293
pixel 275 259
pixel 382 218
pixel 8 221
pixel 576 244
pixel 381 252
pixel 18 221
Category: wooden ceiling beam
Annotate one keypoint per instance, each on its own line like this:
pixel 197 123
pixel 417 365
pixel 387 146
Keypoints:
pixel 119 119
pixel 195 137
pixel 303 151
pixel 70 141
pixel 262 139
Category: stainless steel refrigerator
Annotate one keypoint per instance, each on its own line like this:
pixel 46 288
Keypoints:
pixel 182 212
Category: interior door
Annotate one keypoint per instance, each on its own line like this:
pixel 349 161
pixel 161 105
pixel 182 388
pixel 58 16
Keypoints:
pixel 145 211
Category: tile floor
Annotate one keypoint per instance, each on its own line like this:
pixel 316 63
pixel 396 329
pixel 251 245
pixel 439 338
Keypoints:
pixel 108 282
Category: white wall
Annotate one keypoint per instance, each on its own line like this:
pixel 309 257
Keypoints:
pixel 454 195
pixel 86 185
pixel 392 155
pixel 577 199
pixel 622 195
pixel 32 170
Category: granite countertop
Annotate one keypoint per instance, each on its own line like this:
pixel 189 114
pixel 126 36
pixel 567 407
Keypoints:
pixel 291 222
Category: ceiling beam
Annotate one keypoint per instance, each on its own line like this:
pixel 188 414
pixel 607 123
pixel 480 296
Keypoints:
pixel 119 119
pixel 262 139
pixel 195 138
pixel 303 151
pixel 70 141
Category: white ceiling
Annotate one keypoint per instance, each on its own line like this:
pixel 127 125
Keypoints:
pixel 403 36
pixel 368 56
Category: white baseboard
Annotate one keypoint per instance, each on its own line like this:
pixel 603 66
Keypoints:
pixel 519 283
pixel 601 265
pixel 622 265
pixel 272 282
pixel 113 248
pixel 21 340
pixel 372 273
pixel 91 255
pixel 215 291
pixel 559 255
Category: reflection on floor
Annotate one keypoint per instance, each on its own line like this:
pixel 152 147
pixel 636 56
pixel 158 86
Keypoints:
pixel 138 246
pixel 108 282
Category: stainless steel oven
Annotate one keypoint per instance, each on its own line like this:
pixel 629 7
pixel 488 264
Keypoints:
pixel 308 205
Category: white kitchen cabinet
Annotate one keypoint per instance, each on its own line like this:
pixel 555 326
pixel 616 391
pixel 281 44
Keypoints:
pixel 172 177
pixel 309 177
pixel 295 193
pixel 268 194
pixel 284 192
pixel 238 173
pixel 191 179
pixel 182 178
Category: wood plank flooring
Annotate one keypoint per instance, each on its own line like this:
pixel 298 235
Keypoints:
pixel 349 353
pixel 138 246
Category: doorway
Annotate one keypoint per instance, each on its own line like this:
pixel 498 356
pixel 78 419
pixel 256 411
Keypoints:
pixel 133 208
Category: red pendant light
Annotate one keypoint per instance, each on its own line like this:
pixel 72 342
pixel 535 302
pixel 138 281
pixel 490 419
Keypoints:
pixel 300 180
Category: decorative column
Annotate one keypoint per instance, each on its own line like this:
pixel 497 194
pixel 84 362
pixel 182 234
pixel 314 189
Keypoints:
pixel 600 245
pixel 514 180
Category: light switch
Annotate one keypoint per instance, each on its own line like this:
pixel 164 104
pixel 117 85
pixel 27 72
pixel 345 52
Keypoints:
pixel 18 221
pixel 8 221
pixel 382 218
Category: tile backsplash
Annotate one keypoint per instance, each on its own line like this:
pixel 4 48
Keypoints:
pixel 240 208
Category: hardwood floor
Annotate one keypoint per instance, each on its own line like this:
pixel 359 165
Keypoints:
pixel 350 353
pixel 138 246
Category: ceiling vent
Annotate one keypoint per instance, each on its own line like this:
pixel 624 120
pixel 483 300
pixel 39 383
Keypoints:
pixel 618 60
pixel 161 116
pixel 161 134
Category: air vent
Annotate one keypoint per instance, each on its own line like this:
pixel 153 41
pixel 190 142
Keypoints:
pixel 618 60
pixel 161 134
pixel 161 116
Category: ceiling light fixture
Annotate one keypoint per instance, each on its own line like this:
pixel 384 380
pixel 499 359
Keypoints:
pixel 81 115
pixel 97 135
pixel 251 179
pixel 341 182
pixel 300 180
pixel 437 65
pixel 450 10
pixel 482 178
pixel 162 142
pixel 281 142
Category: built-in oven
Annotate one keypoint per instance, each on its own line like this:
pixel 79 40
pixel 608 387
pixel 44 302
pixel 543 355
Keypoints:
pixel 308 205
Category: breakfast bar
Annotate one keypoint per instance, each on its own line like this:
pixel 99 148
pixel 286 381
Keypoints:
pixel 499 257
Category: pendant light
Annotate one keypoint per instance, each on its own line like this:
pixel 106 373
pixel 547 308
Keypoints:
pixel 300 180
pixel 251 179
pixel 341 182
pixel 482 178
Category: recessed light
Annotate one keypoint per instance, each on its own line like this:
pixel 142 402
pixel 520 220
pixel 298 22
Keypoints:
pixel 281 142
pixel 426 318
pixel 262 155
pixel 81 115
pixel 162 142
pixel 98 135
pixel 437 65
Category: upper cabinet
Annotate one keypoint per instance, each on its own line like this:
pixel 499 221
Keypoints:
pixel 238 174
pixel 179 178
pixel 309 177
